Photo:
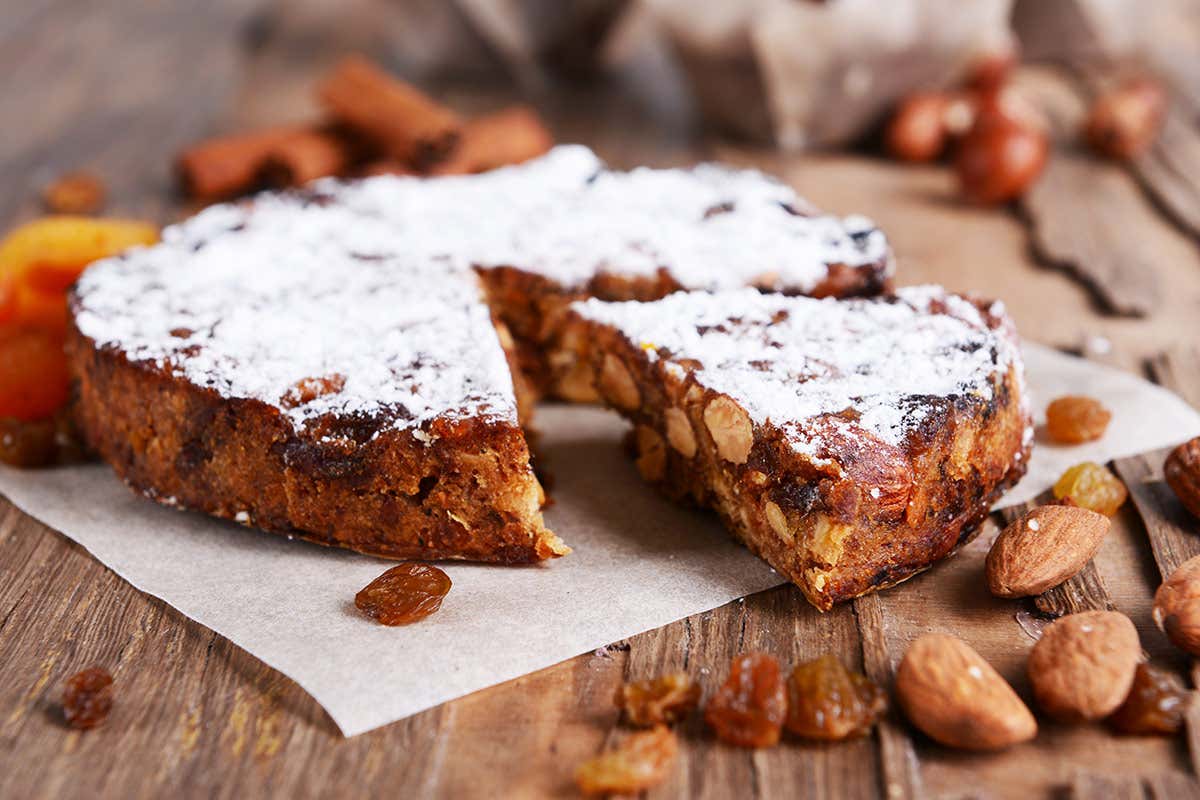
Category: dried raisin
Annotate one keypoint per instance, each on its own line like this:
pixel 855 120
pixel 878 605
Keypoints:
pixel 749 708
pixel 1090 485
pixel 662 700
pixel 639 763
pixel 87 698
pixel 75 193
pixel 1074 419
pixel 826 701
pixel 405 593
pixel 1156 704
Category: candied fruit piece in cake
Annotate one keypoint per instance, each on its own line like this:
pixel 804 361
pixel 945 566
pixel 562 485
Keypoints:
pixel 850 443
pixel 288 365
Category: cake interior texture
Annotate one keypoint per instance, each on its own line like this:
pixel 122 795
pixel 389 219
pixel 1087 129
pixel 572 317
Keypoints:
pixel 849 443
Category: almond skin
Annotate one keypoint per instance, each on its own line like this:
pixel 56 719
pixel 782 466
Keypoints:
pixel 1177 606
pixel 956 698
pixel 1042 549
pixel 1082 667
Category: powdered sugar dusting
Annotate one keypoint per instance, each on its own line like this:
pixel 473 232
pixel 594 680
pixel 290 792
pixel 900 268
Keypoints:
pixel 566 217
pixel 795 362
pixel 249 301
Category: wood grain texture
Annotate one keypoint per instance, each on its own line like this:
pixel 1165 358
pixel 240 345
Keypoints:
pixel 118 87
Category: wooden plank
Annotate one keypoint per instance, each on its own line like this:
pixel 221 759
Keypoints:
pixel 1170 169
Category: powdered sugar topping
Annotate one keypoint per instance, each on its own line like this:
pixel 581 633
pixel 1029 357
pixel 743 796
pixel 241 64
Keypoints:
pixel 822 368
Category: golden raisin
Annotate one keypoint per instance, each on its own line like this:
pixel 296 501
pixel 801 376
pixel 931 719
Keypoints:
pixel 1090 485
pixel 639 763
pixel 749 708
pixel 405 593
pixel 826 701
pixel 1156 704
pixel 75 193
pixel 1074 420
pixel 87 698
pixel 1182 471
pixel 667 699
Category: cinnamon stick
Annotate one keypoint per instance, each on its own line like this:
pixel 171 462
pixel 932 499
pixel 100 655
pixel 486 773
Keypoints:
pixel 227 166
pixel 402 121
pixel 509 136
pixel 305 156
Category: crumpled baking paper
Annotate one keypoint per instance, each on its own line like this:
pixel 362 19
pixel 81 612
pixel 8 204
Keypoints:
pixel 639 561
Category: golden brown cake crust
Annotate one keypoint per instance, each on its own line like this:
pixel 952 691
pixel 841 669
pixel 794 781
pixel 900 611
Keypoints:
pixel 468 495
pixel 857 516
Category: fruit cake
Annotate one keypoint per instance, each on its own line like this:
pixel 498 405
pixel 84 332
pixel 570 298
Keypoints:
pixel 288 366
pixel 564 227
pixel 849 443
pixel 324 362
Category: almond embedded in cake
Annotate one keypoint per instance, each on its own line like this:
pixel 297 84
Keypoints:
pixel 850 443
pixel 286 365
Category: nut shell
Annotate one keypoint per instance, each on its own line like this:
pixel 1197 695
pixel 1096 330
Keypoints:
pixel 958 699
pixel 1042 549
pixel 1083 666
pixel 1177 606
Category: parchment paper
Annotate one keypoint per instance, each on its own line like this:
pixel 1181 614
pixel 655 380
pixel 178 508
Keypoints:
pixel 639 562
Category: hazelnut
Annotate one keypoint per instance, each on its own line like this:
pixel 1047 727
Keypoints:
pixel 992 67
pixel 730 428
pixel 618 384
pixel 1182 471
pixel 1177 606
pixel 917 131
pixel 778 521
pixel 1001 156
pixel 1124 122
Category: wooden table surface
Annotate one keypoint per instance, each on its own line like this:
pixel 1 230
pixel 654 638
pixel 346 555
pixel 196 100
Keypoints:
pixel 118 87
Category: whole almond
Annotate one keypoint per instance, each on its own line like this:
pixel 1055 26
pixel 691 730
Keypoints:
pixel 956 698
pixel 1042 549
pixel 1083 666
pixel 1177 606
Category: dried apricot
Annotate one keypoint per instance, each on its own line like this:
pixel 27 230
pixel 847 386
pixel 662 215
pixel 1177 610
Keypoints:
pixel 1073 419
pixel 1090 485
pixel 87 698
pixel 1156 704
pixel 405 593
pixel 662 700
pixel 33 374
pixel 826 701
pixel 749 708
pixel 637 764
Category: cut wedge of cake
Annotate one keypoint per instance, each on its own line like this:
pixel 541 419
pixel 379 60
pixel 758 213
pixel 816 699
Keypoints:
pixel 285 365
pixel 849 443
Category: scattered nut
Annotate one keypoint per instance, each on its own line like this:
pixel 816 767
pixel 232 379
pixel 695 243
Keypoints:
pixel 992 68
pixel 958 699
pixel 917 131
pixel 679 432
pixel 651 453
pixel 74 193
pixel 1124 122
pixel 1074 419
pixel 1177 606
pixel 1083 666
pixel 778 521
pixel 1182 471
pixel 730 428
pixel 1042 549
pixel 1000 157
pixel 618 384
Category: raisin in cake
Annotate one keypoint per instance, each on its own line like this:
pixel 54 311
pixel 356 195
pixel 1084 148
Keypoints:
pixel 849 443
pixel 287 366
pixel 564 227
